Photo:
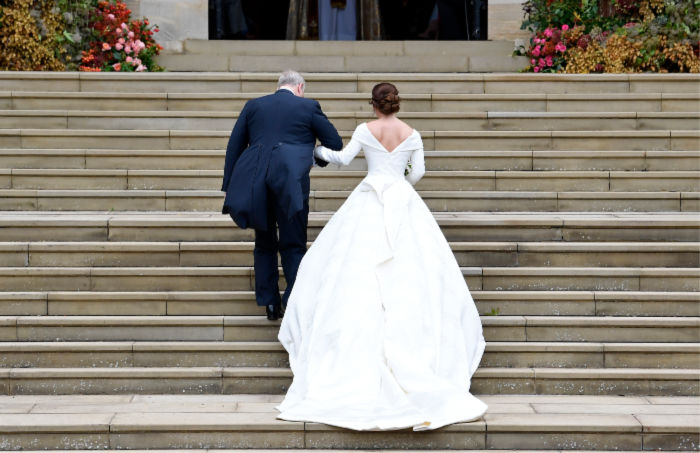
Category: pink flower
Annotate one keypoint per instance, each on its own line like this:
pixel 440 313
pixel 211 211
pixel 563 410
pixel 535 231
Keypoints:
pixel 118 46
pixel 124 26
pixel 560 47
pixel 549 60
pixel 117 66
pixel 564 27
pixel 129 59
pixel 140 68
pixel 120 40
pixel 536 51
pixel 110 16
pixel 137 62
pixel 105 46
pixel 548 32
pixel 127 49
pixel 131 35
pixel 532 61
pixel 536 69
pixel 541 63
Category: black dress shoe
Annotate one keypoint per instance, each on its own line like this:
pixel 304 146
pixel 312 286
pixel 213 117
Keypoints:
pixel 273 312
pixel 283 310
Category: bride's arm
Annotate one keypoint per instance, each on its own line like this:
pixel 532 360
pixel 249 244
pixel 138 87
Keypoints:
pixel 417 169
pixel 343 157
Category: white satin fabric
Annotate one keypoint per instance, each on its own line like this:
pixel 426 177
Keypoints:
pixel 380 327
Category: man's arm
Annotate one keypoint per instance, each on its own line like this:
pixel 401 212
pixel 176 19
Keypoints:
pixel 236 144
pixel 325 132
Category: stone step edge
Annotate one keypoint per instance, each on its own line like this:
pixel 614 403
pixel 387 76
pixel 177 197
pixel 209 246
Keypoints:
pixel 248 271
pixel 24 152
pixel 273 76
pixel 471 194
pixel 230 246
pixel 178 133
pixel 260 321
pixel 520 296
pixel 231 114
pixel 427 96
pixel 216 219
pixel 268 372
pixel 273 346
pixel 492 174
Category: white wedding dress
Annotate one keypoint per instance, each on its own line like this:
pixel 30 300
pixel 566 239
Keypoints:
pixel 380 327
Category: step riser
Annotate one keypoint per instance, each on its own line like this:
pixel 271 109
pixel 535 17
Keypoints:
pixel 595 183
pixel 352 83
pixel 114 231
pixel 8 121
pixel 100 305
pixel 34 279
pixel 517 160
pixel 32 333
pixel 217 358
pixel 172 202
pixel 343 64
pixel 269 385
pixel 196 141
pixel 410 103
pixel 494 258
pixel 335 440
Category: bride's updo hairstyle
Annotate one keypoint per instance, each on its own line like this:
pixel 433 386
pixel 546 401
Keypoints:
pixel 385 98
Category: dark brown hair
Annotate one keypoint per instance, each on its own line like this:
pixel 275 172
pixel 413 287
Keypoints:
pixel 385 98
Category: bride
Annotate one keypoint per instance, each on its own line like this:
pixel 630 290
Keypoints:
pixel 380 327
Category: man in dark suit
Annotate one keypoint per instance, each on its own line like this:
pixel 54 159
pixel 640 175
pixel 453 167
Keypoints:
pixel 266 180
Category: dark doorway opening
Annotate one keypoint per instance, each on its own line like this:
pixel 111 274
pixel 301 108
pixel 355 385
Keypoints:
pixel 399 19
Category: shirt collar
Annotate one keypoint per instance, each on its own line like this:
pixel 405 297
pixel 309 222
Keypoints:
pixel 286 89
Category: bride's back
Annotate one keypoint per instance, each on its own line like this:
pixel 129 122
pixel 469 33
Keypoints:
pixel 390 132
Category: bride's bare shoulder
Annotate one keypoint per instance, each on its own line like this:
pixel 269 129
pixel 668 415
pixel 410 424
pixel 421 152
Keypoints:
pixel 405 128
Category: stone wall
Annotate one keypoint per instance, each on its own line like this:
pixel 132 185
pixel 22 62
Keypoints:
pixel 178 19
pixel 505 17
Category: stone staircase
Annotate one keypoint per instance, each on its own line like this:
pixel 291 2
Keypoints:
pixel 126 303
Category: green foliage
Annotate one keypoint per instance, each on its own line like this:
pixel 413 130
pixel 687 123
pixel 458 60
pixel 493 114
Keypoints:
pixel 77 32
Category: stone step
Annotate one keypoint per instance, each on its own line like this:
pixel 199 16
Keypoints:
pixel 499 354
pixel 250 380
pixel 196 62
pixel 513 422
pixel 342 179
pixel 348 120
pixel 305 48
pixel 242 303
pixel 320 201
pixel 319 82
pixel 458 226
pixel 258 328
pixel 240 278
pixel 501 254
pixel 426 101
pixel 540 140
pixel 434 160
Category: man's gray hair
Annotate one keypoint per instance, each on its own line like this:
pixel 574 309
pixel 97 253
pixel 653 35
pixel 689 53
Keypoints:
pixel 290 78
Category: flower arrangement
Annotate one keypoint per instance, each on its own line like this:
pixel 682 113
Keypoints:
pixel 547 49
pixel 120 44
pixel 583 36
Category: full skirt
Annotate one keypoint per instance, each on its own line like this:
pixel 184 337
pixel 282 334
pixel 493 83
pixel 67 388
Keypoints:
pixel 380 327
